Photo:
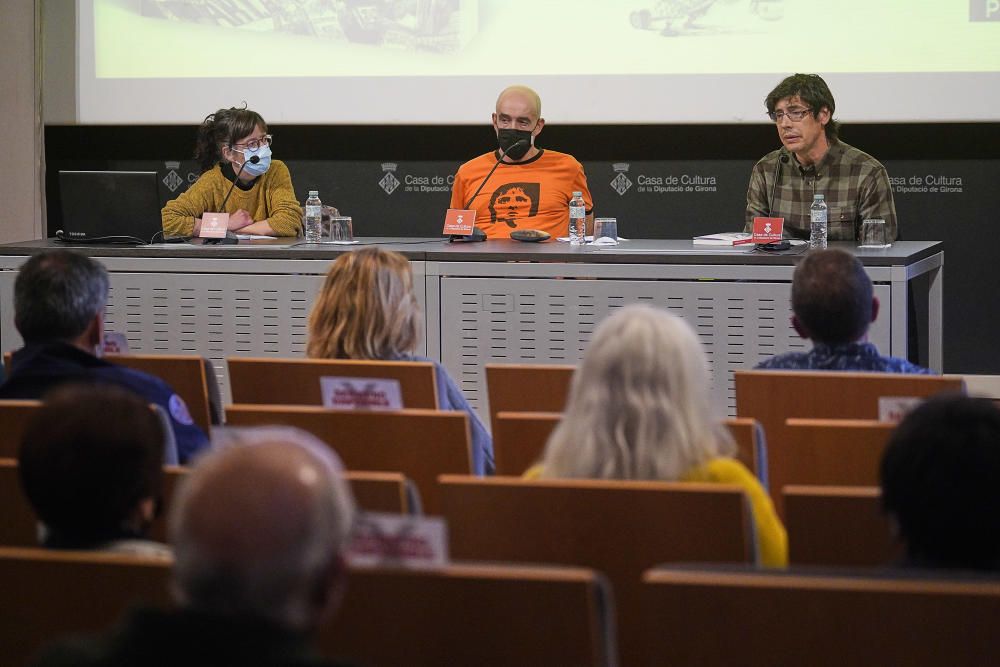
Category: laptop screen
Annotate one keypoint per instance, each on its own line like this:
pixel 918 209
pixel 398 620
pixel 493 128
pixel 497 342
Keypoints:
pixel 110 207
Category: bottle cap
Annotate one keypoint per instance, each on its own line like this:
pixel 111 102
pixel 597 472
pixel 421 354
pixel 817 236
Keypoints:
pixel 314 193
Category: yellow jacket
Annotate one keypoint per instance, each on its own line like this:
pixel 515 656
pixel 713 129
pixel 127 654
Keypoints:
pixel 271 198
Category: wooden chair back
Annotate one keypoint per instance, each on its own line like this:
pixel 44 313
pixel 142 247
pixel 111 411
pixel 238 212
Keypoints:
pixel 771 397
pixel 620 528
pixel 519 440
pixel 18 526
pixel 14 418
pixel 420 444
pixel 49 594
pixel 460 614
pixel 834 452
pixel 713 618
pixel 471 614
pixel 190 376
pixel 838 525
pixel 297 381
pixel 527 388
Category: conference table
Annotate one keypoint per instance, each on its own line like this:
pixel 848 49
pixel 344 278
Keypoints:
pixel 495 302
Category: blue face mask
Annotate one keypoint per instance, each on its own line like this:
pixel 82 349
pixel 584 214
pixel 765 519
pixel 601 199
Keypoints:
pixel 264 153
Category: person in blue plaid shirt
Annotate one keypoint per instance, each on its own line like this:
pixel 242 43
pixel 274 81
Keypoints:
pixel 833 304
pixel 813 160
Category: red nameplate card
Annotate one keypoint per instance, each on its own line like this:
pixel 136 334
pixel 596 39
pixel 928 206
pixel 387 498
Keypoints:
pixel 459 221
pixel 214 225
pixel 767 230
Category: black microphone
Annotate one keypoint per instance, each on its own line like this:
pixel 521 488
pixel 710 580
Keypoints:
pixel 477 234
pixel 253 160
pixel 782 159
pixel 775 245
pixel 503 154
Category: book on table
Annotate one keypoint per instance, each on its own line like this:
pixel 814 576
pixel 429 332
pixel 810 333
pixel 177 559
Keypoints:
pixel 724 239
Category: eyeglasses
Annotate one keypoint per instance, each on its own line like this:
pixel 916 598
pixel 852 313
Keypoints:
pixel 254 144
pixel 793 114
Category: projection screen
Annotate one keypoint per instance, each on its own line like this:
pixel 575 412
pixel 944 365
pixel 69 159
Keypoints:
pixel 593 61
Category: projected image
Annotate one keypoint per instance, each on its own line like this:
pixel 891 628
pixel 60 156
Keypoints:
pixel 678 17
pixel 437 61
pixel 428 25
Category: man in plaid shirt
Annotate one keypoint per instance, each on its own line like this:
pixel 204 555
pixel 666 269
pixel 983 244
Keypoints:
pixel 813 160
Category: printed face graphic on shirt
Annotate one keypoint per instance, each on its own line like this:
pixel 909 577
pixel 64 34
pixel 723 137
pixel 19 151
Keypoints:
pixel 514 201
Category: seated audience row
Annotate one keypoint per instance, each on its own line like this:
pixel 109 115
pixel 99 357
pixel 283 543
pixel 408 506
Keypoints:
pixel 366 310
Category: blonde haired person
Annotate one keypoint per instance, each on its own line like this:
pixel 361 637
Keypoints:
pixel 639 409
pixel 366 309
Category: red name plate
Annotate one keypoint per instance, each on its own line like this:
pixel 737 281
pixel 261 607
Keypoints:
pixel 214 225
pixel 767 230
pixel 459 221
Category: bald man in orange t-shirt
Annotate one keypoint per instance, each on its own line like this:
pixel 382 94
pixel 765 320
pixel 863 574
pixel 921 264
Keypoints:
pixel 532 186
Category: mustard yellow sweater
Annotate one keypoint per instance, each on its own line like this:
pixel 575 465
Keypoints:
pixel 772 540
pixel 271 198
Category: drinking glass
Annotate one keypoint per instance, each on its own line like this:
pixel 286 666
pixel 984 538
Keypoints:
pixel 874 234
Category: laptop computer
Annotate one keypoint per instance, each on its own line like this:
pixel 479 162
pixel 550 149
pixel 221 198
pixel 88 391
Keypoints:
pixel 110 207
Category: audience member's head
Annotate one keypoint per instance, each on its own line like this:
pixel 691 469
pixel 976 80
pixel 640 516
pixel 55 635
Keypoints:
pixel 60 296
pixel 366 308
pixel 91 465
pixel 941 483
pixel 639 403
pixel 832 297
pixel 259 528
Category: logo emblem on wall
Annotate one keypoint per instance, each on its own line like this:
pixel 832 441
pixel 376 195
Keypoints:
pixel 389 182
pixel 172 180
pixel 620 183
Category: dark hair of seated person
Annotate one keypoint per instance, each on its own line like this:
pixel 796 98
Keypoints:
pixel 89 459
pixel 832 296
pixel 940 477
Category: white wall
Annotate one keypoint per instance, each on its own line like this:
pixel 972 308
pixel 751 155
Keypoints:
pixel 21 183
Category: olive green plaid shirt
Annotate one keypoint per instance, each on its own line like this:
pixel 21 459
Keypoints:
pixel 855 184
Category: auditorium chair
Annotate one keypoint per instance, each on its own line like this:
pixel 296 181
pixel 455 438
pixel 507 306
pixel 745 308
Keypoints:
pixel 714 617
pixel 48 594
pixel 420 444
pixel 620 528
pixel 526 388
pixel 297 381
pixel 457 614
pixel 14 418
pixel 771 397
pixel 191 376
pixel 473 614
pixel 838 525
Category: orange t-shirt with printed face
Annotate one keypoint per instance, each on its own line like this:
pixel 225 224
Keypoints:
pixel 533 194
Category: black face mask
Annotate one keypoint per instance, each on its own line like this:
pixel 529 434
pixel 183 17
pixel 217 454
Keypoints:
pixel 507 137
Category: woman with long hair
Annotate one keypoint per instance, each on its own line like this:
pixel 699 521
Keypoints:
pixel 234 152
pixel 639 409
pixel 366 309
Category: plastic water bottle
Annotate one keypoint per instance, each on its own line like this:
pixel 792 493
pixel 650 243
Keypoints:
pixel 818 218
pixel 577 220
pixel 314 218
